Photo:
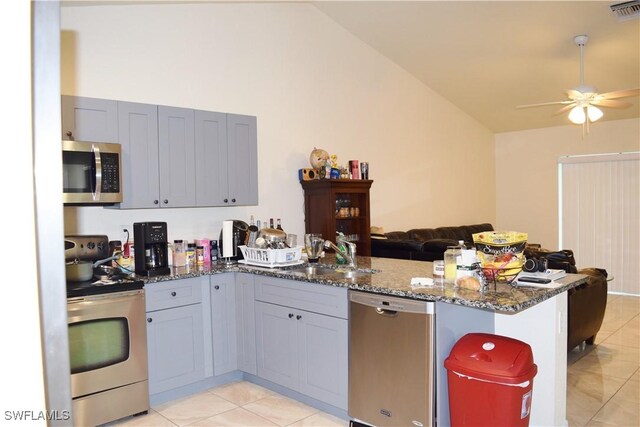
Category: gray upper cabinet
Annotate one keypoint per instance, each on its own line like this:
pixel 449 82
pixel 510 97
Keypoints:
pixel 242 159
pixel 171 157
pixel 138 135
pixel 89 119
pixel 177 157
pixel 212 180
pixel 226 159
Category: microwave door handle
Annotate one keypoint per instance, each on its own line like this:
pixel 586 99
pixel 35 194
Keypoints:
pixel 98 163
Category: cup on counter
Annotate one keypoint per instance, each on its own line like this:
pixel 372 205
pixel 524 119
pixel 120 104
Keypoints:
pixel 292 240
pixel 314 244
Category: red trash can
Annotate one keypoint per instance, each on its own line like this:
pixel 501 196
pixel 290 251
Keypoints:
pixel 490 381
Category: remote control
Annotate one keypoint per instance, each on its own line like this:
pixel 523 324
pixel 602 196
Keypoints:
pixel 534 279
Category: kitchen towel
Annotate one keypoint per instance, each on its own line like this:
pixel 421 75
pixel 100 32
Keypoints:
pixel 227 239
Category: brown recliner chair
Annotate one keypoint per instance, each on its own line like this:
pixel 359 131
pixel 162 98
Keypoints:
pixel 586 302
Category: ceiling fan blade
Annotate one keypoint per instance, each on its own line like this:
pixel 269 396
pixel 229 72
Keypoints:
pixel 544 103
pixel 620 94
pixel 574 94
pixel 565 108
pixel 610 103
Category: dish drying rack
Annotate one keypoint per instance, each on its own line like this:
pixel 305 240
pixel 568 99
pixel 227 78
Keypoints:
pixel 271 257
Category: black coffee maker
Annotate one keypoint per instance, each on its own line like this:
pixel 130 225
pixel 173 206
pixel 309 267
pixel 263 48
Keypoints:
pixel 151 244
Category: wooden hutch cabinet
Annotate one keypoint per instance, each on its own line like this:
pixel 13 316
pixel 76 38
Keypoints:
pixel 339 205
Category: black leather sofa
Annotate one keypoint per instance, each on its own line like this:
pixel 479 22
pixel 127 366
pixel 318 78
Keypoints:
pixel 423 244
pixel 586 302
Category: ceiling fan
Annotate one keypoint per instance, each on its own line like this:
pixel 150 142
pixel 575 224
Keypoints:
pixel 583 101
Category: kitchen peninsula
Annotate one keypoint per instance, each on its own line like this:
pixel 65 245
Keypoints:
pixel 232 298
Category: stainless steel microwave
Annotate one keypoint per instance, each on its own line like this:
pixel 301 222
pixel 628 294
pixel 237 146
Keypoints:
pixel 91 173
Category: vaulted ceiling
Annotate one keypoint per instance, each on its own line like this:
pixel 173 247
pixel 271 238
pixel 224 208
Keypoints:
pixel 487 57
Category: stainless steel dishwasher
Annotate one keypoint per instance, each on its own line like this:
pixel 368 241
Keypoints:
pixel 391 348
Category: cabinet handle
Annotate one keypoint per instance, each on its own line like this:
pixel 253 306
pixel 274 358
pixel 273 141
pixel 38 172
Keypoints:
pixel 298 317
pixel 155 202
pixel 149 320
pixel 216 287
pixel 233 200
pixel 165 201
pixel 226 200
pixel 70 134
pixel 290 315
pixel 173 294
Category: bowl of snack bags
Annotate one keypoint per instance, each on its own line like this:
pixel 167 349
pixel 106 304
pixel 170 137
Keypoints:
pixel 501 254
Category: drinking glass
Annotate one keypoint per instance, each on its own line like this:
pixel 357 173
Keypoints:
pixel 292 240
pixel 314 244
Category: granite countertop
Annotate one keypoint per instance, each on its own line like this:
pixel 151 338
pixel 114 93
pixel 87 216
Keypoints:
pixel 393 277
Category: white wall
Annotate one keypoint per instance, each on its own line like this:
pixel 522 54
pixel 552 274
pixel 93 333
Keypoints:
pixel 527 172
pixel 309 82
pixel 22 387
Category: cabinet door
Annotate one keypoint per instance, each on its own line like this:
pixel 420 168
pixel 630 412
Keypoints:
pixel 223 323
pixel 246 322
pixel 212 183
pixel 138 135
pixel 242 144
pixel 323 354
pixel 177 157
pixel 276 344
pixel 89 119
pixel 175 347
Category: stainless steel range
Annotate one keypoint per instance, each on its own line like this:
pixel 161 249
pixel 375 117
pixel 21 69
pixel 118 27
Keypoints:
pixel 107 342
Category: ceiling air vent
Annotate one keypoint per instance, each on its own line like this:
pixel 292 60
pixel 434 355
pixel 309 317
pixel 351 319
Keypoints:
pixel 627 10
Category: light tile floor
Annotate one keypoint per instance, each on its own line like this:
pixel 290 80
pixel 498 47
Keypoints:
pixel 603 388
pixel 237 404
pixel 603 381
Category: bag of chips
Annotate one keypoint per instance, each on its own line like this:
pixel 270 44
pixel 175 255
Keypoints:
pixel 501 253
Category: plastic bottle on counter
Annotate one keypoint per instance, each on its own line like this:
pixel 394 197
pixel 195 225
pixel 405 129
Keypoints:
pixel 199 255
pixel 214 251
pixel 451 257
pixel 179 254
pixel 191 254
pixel 341 245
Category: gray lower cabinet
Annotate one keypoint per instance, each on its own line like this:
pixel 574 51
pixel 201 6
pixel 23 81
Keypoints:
pixel 303 350
pixel 89 119
pixel 223 323
pixel 246 323
pixel 175 333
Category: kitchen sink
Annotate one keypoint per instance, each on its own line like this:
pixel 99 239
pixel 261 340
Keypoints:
pixel 314 270
pixel 338 272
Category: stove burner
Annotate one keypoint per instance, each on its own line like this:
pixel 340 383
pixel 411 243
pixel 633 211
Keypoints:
pixel 114 283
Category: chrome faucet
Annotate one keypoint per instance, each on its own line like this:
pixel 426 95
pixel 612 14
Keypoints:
pixel 349 254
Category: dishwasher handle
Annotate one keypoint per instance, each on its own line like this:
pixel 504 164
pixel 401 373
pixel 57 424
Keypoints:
pixel 386 313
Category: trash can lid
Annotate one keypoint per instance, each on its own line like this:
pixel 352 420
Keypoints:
pixel 492 358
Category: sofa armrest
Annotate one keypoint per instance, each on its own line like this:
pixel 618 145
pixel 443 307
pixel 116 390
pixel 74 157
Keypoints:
pixel 587 305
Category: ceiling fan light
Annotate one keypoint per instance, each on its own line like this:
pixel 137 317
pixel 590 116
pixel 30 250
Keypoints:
pixel 577 116
pixel 594 113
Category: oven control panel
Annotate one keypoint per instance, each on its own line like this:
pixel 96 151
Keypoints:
pixel 86 247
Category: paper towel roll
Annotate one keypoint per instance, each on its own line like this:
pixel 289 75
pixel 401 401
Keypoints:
pixel 227 239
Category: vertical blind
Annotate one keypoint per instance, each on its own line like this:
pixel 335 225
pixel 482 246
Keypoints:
pixel 600 215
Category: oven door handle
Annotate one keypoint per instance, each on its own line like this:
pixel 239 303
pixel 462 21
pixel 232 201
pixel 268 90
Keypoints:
pixel 97 172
